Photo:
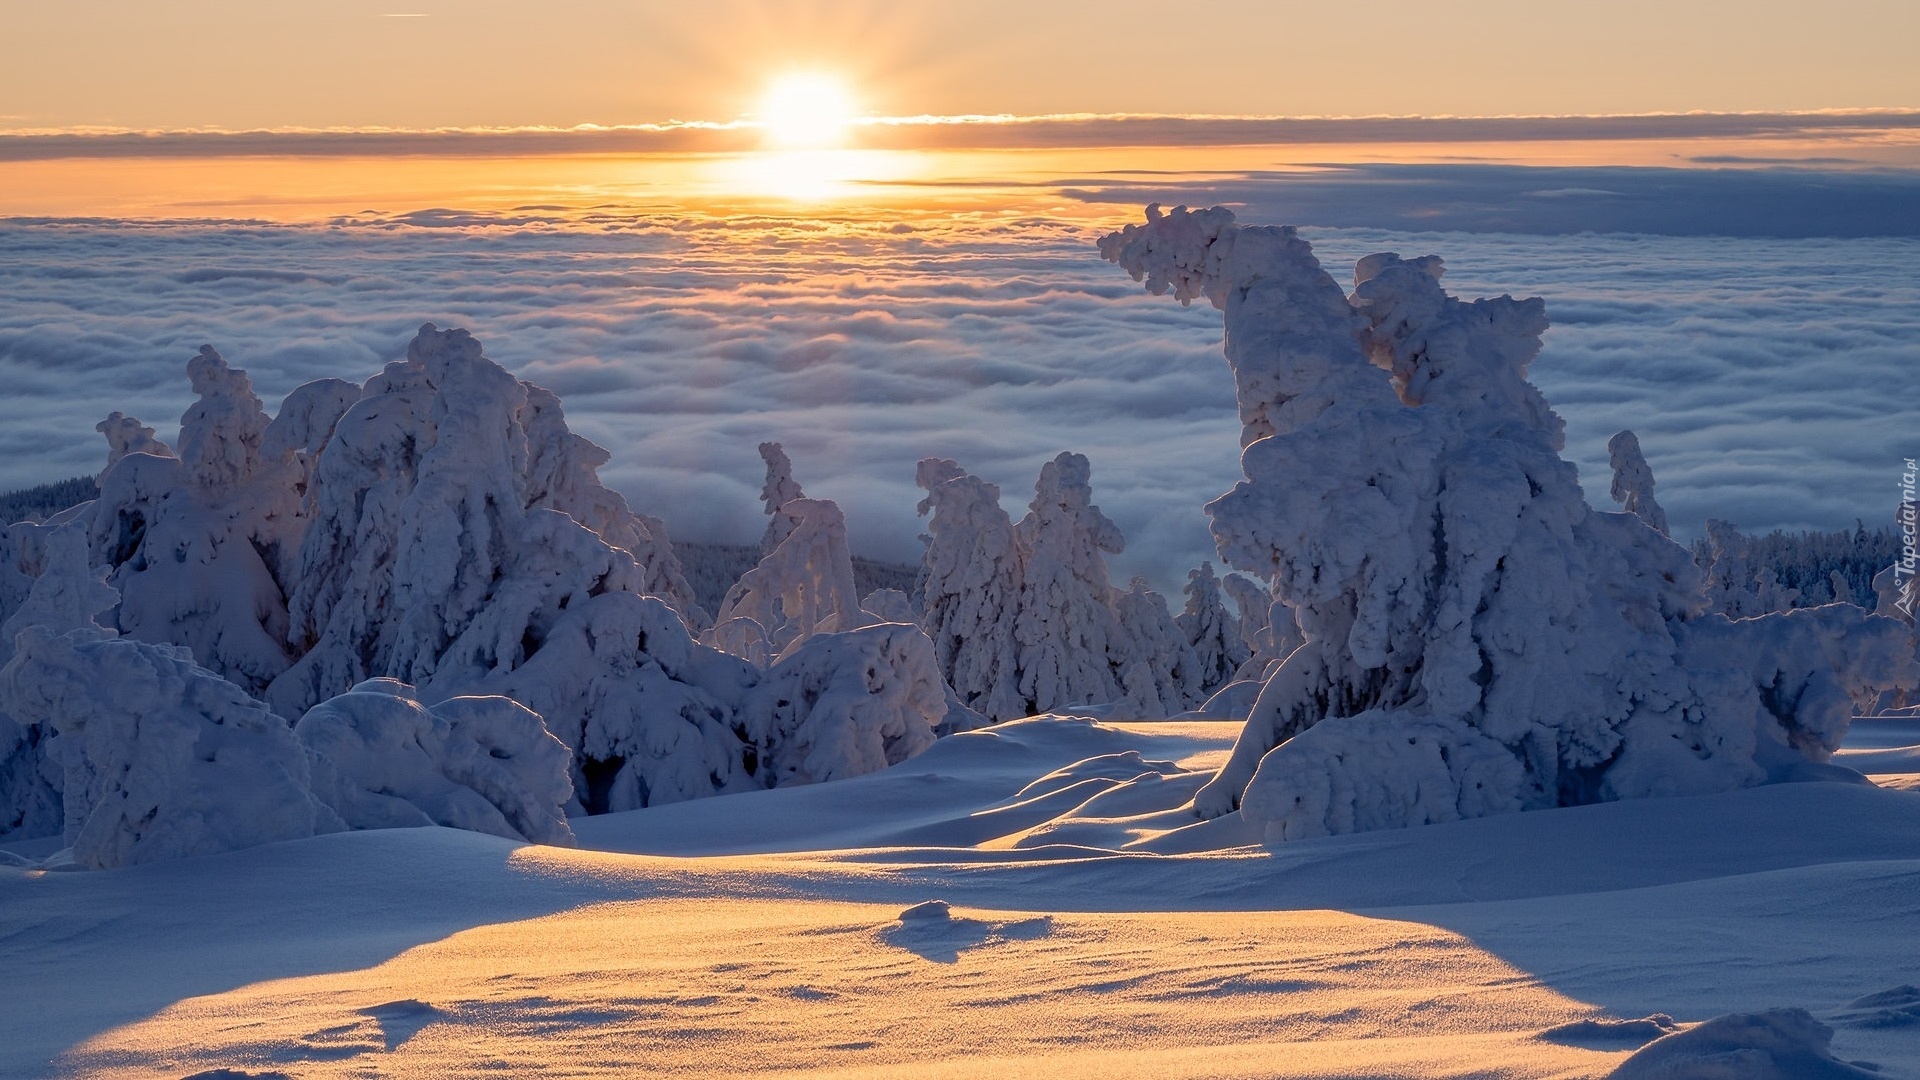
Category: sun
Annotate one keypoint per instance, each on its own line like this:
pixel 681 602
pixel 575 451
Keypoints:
pixel 806 110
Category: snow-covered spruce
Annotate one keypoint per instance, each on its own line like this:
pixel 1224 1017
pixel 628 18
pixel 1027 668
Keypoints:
pixel 779 489
pixel 382 760
pixel 969 588
pixel 441 546
pixel 200 546
pixel 652 716
pixel 159 758
pixel 1477 638
pixel 1065 630
pixel 1632 484
pixel 804 586
pixel 1023 616
pixel 1211 631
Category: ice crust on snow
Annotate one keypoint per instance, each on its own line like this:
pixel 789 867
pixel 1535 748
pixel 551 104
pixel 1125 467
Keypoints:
pixel 1476 638
pixel 382 760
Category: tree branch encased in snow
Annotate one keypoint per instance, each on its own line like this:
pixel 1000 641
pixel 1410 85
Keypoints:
pixel 1405 495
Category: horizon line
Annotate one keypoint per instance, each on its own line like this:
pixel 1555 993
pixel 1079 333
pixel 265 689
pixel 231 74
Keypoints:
pixel 980 131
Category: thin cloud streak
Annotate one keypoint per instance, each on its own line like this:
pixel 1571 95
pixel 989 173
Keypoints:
pixel 1000 132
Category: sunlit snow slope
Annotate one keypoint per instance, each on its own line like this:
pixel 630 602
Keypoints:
pixel 1090 927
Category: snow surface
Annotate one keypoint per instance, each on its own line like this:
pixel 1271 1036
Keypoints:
pixel 1025 901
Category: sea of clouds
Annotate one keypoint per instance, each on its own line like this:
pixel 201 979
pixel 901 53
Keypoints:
pixel 1770 379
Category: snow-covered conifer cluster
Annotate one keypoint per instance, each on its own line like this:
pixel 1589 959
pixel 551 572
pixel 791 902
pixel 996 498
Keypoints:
pixel 1023 616
pixel 1477 639
pixel 427 573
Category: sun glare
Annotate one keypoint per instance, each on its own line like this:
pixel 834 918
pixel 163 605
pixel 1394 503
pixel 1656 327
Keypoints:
pixel 805 111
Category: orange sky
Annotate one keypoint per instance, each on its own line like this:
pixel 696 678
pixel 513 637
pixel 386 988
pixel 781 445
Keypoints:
pixel 425 63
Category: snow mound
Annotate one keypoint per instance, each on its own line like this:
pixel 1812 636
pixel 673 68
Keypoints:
pixel 1779 1044
pixel 651 715
pixel 1488 641
pixel 382 760
pixel 160 758
pixel 846 704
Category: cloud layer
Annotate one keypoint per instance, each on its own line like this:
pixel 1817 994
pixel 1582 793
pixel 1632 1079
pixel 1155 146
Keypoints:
pixel 1766 378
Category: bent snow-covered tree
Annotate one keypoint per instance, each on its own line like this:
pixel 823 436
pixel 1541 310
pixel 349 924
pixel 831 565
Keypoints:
pixel 1477 638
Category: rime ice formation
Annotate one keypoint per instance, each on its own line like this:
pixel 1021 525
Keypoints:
pixel 563 473
pixel 1159 672
pixel 969 582
pixel 1023 617
pixel 125 435
pixel 160 758
pixel 1065 630
pixel 651 716
pixel 890 605
pixel 804 586
pixel 1633 481
pixel 384 761
pixel 1735 587
pixel 67 595
pixel 200 545
pixel 1211 632
pixel 1476 638
pixel 845 704
pixel 429 556
pixel 779 490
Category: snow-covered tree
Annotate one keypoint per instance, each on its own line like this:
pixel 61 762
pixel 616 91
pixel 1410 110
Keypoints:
pixel 1065 629
pixel 801 588
pixel 1211 631
pixel 1157 668
pixel 651 716
pixel 125 435
pixel 68 595
pixel 1633 481
pixel 779 490
pixel 160 758
pixel 563 473
pixel 1477 638
pixel 845 704
pixel 196 544
pixel 425 558
pixel 969 588
pixel 382 760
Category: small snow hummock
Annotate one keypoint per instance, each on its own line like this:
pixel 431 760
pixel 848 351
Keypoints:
pixel 845 704
pixel 382 760
pixel 1778 1044
pixel 1477 639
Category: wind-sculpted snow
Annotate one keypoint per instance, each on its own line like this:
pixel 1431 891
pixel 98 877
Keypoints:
pixel 382 760
pixel 1405 495
pixel 202 546
pixel 160 758
pixel 844 704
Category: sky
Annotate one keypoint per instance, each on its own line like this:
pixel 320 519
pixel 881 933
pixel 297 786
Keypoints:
pixel 238 64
